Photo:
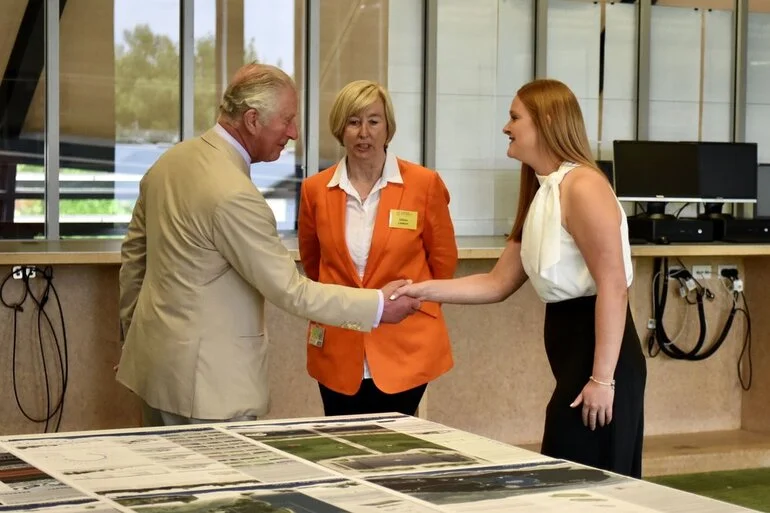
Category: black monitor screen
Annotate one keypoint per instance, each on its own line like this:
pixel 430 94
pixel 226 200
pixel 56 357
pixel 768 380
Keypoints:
pixel 763 190
pixel 655 170
pixel 728 170
pixel 606 167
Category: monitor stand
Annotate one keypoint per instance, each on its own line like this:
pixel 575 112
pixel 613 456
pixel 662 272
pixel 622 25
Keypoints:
pixel 656 210
pixel 713 212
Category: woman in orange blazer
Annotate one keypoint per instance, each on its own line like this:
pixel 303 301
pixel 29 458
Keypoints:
pixel 364 222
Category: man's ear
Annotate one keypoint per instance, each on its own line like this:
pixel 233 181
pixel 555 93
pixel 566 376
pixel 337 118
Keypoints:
pixel 251 121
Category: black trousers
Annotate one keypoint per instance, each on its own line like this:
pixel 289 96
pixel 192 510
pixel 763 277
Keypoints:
pixel 370 399
pixel 569 343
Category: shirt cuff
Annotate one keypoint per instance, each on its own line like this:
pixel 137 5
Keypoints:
pixel 380 307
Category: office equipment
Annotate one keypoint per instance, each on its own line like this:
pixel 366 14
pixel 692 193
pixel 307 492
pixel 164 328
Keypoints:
pixel 763 190
pixel 660 172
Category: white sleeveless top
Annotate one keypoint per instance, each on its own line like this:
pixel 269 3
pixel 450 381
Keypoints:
pixel 549 254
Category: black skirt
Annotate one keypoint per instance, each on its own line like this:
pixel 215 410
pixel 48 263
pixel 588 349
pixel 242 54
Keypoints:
pixel 569 343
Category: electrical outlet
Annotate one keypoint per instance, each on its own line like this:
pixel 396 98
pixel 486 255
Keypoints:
pixel 673 269
pixel 701 272
pixel 20 270
pixel 724 267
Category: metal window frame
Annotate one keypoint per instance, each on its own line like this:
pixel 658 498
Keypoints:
pixel 429 82
pixel 311 96
pixel 541 39
pixel 311 64
pixel 52 108
pixel 643 50
pixel 741 62
pixel 186 69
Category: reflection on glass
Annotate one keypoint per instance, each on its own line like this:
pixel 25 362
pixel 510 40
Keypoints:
pixel 227 36
pixel 592 47
pixel 22 120
pixel 270 34
pixel 691 63
pixel 119 107
pixel 758 78
pixel 354 42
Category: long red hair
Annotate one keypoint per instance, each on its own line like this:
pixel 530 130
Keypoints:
pixel 556 114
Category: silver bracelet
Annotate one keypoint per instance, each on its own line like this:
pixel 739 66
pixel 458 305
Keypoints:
pixel 610 384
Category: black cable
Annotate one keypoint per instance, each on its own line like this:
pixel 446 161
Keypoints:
pixel 660 336
pixel 746 349
pixel 678 212
pixel 61 348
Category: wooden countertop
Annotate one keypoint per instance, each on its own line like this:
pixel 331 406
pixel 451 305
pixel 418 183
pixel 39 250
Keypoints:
pixel 107 251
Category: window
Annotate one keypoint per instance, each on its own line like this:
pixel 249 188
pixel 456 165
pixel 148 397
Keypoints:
pixel 691 72
pixel 378 41
pixel 758 78
pixel 22 119
pixel 592 47
pixel 485 53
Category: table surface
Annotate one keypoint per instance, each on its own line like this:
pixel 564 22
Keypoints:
pixel 387 462
pixel 107 251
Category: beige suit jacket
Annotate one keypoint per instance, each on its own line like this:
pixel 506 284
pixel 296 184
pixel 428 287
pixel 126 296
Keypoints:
pixel 200 257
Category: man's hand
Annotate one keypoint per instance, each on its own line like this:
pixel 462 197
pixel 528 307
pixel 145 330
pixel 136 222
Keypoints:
pixel 394 311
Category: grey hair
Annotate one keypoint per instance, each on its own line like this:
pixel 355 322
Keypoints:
pixel 254 86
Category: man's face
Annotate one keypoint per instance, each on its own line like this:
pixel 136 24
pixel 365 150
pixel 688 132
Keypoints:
pixel 269 136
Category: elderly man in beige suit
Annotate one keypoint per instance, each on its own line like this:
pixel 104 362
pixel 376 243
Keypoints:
pixel 202 255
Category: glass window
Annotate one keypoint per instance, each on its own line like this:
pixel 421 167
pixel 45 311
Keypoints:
pixel 691 72
pixel 485 53
pixel 22 120
pixel 592 47
pixel 379 41
pixel 271 33
pixel 119 94
pixel 120 98
pixel 758 78
pixel 228 35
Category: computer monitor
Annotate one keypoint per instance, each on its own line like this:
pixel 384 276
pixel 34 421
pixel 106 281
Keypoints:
pixel 656 171
pixel 763 191
pixel 727 172
pixel 710 172
pixel 606 167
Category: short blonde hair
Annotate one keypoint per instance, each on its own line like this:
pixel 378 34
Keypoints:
pixel 254 86
pixel 353 99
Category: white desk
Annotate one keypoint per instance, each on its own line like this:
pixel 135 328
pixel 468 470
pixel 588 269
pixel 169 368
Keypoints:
pixel 388 463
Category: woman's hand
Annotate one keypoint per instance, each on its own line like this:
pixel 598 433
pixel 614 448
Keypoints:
pixel 414 290
pixel 597 400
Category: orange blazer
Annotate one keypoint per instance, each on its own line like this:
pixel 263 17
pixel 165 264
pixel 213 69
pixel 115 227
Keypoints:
pixel 400 356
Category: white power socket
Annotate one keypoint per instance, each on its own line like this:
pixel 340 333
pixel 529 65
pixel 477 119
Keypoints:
pixel 701 272
pixel 20 270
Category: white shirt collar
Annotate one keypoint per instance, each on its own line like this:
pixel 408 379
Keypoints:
pixel 224 134
pixel 390 172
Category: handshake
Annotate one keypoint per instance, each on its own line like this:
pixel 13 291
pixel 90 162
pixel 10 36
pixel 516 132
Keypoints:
pixel 398 303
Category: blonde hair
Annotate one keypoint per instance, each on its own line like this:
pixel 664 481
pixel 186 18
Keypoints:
pixel 561 131
pixel 254 86
pixel 354 98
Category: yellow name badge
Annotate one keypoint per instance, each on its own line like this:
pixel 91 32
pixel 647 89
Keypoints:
pixel 316 336
pixel 406 219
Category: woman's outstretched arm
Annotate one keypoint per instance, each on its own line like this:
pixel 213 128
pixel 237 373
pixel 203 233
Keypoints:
pixel 492 287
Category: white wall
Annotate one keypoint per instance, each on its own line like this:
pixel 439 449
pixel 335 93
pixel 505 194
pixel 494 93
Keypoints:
pixel 485 53
pixel 758 84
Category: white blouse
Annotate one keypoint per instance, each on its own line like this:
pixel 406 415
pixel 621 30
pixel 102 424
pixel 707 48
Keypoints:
pixel 549 254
